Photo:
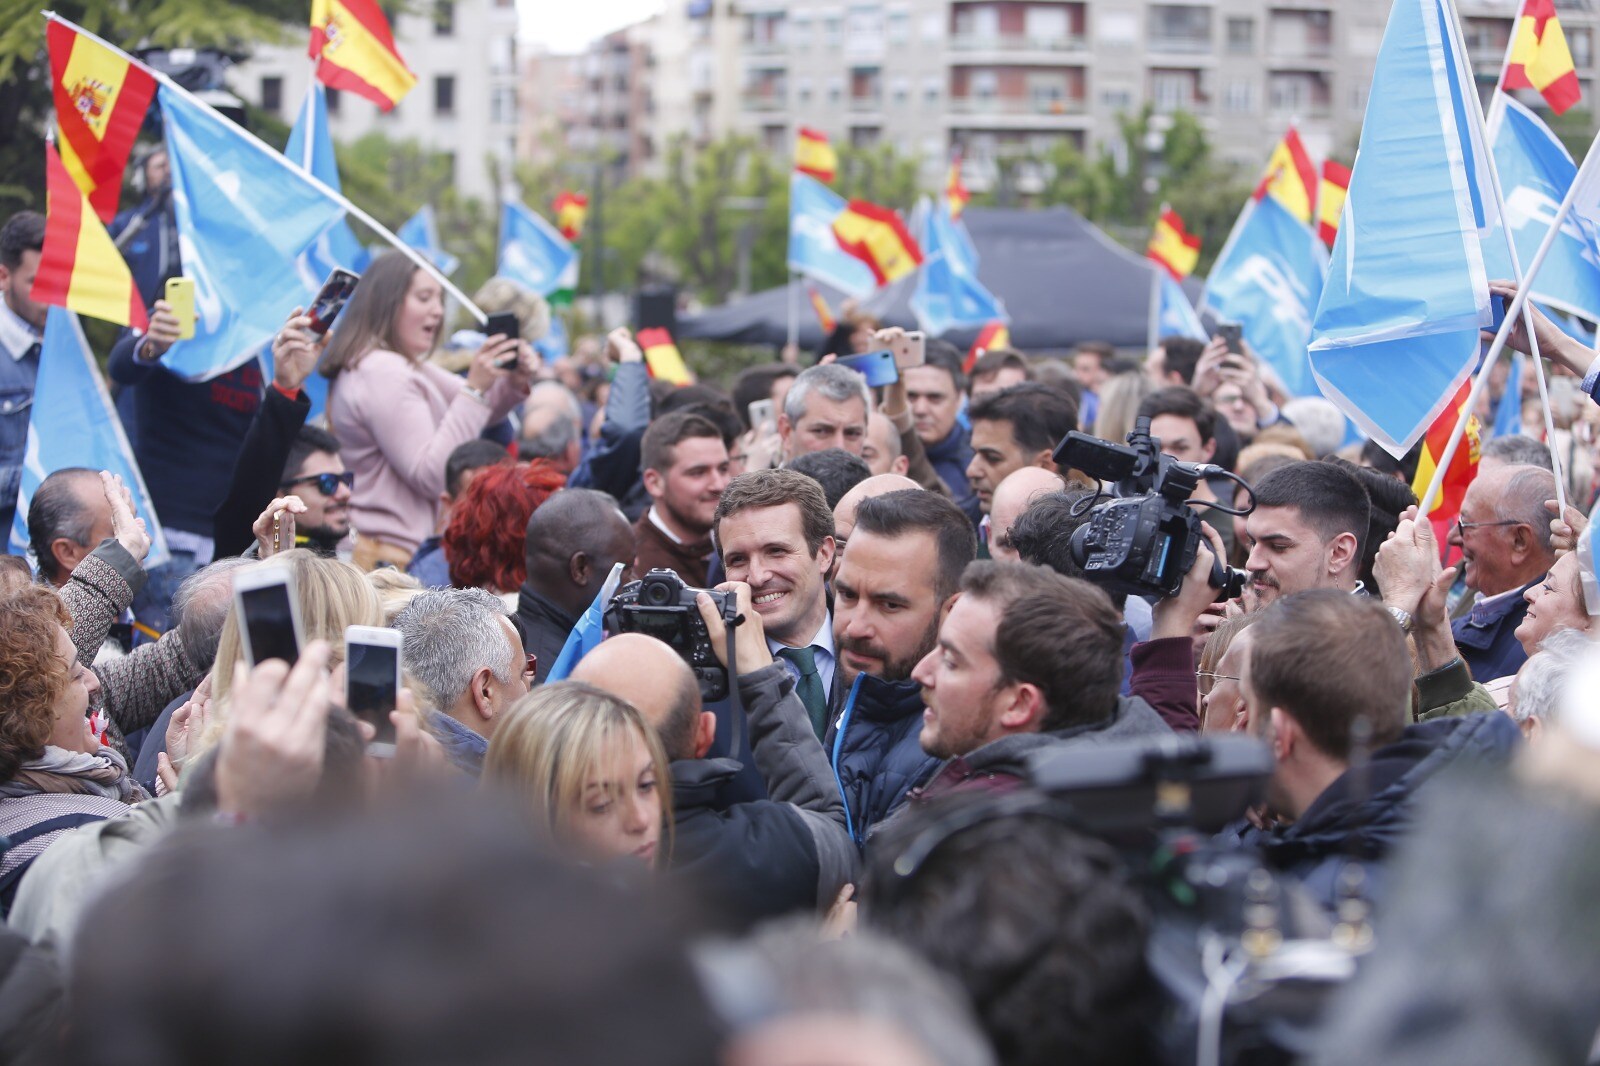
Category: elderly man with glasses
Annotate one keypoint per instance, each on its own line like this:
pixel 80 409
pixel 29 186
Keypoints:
pixel 1504 536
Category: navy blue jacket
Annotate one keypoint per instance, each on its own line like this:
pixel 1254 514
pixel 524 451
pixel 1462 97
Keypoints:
pixel 950 458
pixel 875 746
pixel 1365 811
pixel 1487 637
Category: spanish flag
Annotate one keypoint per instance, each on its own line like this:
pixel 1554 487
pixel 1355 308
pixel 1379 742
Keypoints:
pixel 571 209
pixel 994 335
pixel 955 193
pixel 80 268
pixel 662 358
pixel 814 155
pixel 1174 247
pixel 1463 465
pixel 1540 58
pixel 876 236
pixel 354 50
pixel 101 97
pixel 1290 178
pixel 819 304
pixel 1330 199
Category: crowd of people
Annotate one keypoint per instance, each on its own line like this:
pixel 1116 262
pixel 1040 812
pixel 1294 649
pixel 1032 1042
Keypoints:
pixel 580 851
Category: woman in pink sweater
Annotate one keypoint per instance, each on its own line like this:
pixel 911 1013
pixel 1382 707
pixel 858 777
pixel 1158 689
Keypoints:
pixel 396 416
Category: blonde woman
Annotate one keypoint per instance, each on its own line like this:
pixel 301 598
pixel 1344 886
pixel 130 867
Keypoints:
pixel 1119 405
pixel 591 767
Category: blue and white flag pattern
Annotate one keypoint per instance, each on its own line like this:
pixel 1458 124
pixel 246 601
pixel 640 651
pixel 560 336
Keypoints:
pixel 421 231
pixel 948 294
pixel 1396 331
pixel 1269 279
pixel 533 253
pixel 245 217
pixel 338 247
pixel 588 633
pixel 73 423
pixel 813 249
pixel 1175 315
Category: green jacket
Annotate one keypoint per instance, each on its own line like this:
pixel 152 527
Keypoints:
pixel 1449 692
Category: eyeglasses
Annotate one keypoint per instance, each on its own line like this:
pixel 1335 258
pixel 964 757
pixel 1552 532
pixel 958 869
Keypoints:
pixel 1208 681
pixel 327 484
pixel 1462 527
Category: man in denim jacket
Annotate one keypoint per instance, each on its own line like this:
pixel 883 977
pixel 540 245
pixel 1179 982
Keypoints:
pixel 21 328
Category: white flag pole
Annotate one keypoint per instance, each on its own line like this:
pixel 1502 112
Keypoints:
pixel 371 223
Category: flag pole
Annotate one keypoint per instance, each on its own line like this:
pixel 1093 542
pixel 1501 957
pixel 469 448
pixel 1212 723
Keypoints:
pixel 371 223
pixel 1497 107
pixel 1514 312
pixel 1153 324
pixel 1523 282
pixel 794 311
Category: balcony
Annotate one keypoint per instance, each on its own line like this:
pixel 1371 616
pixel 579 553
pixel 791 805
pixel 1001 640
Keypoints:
pixel 1012 43
pixel 763 101
pixel 769 46
pixel 866 102
pixel 1180 46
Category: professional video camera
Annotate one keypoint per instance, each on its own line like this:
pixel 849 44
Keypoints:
pixel 660 605
pixel 1247 960
pixel 1145 542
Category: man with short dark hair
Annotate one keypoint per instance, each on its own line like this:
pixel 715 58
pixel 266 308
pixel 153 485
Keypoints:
pixel 1014 428
pixel 685 465
pixel 996 369
pixel 21 331
pixel 826 407
pixel 574 539
pixel 315 473
pixel 1026 659
pixel 429 565
pixel 1306 531
pixel 1174 360
pixel 1183 423
pixel 898 576
pixel 774 531
pixel 1348 767
pixel 68 517
pixel 835 469
pixel 934 392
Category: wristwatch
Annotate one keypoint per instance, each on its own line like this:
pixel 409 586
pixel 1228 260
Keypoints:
pixel 1402 616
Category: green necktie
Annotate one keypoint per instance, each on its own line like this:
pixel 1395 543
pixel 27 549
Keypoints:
pixel 809 689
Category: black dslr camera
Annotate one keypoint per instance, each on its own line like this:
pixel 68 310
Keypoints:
pixel 660 605
pixel 1145 541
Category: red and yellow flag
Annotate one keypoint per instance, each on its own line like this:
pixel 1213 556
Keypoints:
pixel 1540 58
pixel 819 304
pixel 571 210
pixel 814 155
pixel 80 268
pixel 1290 178
pixel 1463 465
pixel 994 335
pixel 354 49
pixel 101 98
pixel 662 358
pixel 1174 247
pixel 955 193
pixel 1330 199
pixel 877 236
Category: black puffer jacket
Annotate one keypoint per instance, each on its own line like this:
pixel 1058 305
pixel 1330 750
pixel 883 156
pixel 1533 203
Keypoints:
pixel 876 750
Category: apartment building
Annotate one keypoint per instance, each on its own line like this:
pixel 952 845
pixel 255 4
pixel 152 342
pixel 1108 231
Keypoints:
pixel 464 53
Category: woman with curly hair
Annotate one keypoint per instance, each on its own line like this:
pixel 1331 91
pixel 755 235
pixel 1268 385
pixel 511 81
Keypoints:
pixel 54 774
pixel 485 540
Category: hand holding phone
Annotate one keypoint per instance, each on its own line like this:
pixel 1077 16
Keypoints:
pixel 268 614
pixel 1232 334
pixel 180 298
pixel 877 367
pixel 762 414
pixel 372 680
pixel 331 298
pixel 504 324
pixel 910 347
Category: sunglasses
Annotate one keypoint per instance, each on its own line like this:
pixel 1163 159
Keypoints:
pixel 327 484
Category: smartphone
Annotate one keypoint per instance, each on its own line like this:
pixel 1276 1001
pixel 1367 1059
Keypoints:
pixel 503 324
pixel 180 295
pixel 268 614
pixel 911 349
pixel 372 680
pixel 762 413
pixel 1499 305
pixel 877 367
pixel 331 298
pixel 1232 334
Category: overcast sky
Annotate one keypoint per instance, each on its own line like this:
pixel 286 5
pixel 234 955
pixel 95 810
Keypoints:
pixel 569 25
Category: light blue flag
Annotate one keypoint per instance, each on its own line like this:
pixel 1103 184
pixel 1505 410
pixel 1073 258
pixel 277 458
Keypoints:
pixel 338 247
pixel 1175 315
pixel 421 231
pixel 813 249
pixel 1535 173
pixel 1396 332
pixel 948 294
pixel 534 254
pixel 962 244
pixel 73 423
pixel 1569 325
pixel 1508 414
pixel 588 633
pixel 554 344
pixel 245 217
pixel 1268 279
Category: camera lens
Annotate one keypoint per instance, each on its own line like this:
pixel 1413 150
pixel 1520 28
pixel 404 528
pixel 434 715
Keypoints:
pixel 655 593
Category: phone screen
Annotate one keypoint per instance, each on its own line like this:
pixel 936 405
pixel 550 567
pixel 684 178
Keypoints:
pixel 877 367
pixel 269 624
pixel 371 674
pixel 335 293
pixel 504 324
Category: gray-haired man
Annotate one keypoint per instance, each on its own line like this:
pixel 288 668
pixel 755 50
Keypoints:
pixel 826 407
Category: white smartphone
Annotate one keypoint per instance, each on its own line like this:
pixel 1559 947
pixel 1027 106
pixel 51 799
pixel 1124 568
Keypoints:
pixel 268 614
pixel 761 414
pixel 372 680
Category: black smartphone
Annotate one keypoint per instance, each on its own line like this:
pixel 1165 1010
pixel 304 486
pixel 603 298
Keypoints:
pixel 877 367
pixel 1232 334
pixel 331 298
pixel 372 678
pixel 503 324
pixel 268 614
pixel 1499 305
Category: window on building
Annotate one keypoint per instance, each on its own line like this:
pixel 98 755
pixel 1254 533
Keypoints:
pixel 444 18
pixel 802 90
pixel 983 85
pixel 272 94
pixel 835 89
pixel 932 89
pixel 900 89
pixel 444 94
pixel 1045 25
pixel 1180 27
pixel 899 27
pixel 1239 97
pixel 832 30
pixel 1241 36
pixel 933 26
pixel 1581 41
